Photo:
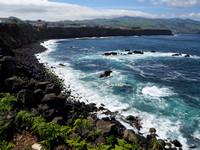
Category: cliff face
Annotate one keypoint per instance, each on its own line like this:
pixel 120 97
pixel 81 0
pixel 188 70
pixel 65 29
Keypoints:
pixel 96 32
pixel 13 36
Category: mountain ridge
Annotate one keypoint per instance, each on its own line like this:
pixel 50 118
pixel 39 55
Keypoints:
pixel 177 25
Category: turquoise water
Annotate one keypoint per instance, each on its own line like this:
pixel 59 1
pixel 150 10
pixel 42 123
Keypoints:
pixel 162 90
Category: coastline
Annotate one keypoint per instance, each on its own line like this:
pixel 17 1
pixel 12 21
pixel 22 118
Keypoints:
pixel 101 114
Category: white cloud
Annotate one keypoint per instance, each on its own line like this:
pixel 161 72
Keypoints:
pixel 190 15
pixel 177 3
pixel 54 11
pixel 43 9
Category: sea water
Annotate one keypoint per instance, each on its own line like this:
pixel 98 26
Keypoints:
pixel 161 89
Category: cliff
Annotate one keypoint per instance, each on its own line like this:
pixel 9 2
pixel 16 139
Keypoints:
pixel 13 36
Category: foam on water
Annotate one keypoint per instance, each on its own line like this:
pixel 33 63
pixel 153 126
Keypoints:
pixel 157 92
pixel 101 94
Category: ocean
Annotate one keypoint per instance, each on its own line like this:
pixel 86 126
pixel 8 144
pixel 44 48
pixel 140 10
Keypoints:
pixel 161 89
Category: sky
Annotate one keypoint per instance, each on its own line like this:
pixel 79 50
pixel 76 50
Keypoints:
pixel 56 10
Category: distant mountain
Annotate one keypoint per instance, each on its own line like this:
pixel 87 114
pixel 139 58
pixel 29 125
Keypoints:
pixel 176 25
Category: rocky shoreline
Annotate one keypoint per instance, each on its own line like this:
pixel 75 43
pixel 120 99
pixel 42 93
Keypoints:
pixel 39 92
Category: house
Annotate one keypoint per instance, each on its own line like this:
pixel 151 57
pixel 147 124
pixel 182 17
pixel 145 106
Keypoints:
pixel 4 20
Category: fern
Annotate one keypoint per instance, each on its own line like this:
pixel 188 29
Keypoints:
pixel 7 102
pixel 110 140
pixel 6 145
pixel 25 119
pixel 101 147
pixel 3 128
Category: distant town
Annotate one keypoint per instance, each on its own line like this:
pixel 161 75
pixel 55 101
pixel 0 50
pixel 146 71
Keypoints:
pixel 41 23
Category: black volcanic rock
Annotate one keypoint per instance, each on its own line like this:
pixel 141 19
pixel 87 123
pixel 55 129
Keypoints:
pixel 111 53
pixel 138 52
pixel 106 74
pixel 26 97
pixel 176 54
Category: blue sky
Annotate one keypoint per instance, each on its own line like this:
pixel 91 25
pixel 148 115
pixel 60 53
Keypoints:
pixel 147 6
pixel 54 10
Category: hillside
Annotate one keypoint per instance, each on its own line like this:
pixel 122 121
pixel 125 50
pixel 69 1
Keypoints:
pixel 176 25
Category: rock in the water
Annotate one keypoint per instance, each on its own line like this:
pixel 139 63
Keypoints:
pixel 152 130
pixel 130 118
pixel 153 51
pixel 192 146
pixel 61 64
pixel 129 135
pixel 176 143
pixel 106 74
pixel 187 55
pixel 111 53
pixel 138 52
pixel 127 50
pixel 26 97
pixel 176 54
pixel 130 53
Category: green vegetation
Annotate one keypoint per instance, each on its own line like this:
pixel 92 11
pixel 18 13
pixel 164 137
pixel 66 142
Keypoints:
pixel 79 135
pixel 4 145
pixel 53 78
pixel 51 133
pixel 7 102
pixel 176 25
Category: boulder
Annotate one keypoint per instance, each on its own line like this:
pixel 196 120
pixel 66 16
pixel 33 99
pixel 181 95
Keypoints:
pixel 192 146
pixel 39 95
pixel 32 83
pixel 52 88
pixel 42 85
pixel 130 53
pixel 130 118
pixel 26 97
pixel 176 54
pixel 152 130
pixel 111 53
pixel 59 120
pixel 176 143
pixel 106 127
pixel 7 67
pixel 187 55
pixel 138 52
pixel 100 140
pixel 42 108
pixel 49 114
pixel 14 84
pixel 49 99
pixel 127 50
pixel 129 135
pixel 106 74
pixel 153 51
pixel 62 65
pixel 60 100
